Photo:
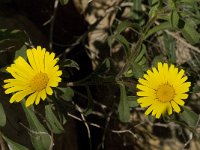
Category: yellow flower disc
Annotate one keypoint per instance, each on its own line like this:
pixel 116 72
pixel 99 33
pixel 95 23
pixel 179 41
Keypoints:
pixel 162 90
pixel 34 79
pixel 39 81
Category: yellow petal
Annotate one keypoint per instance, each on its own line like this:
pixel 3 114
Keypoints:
pixel 18 96
pixel 40 55
pixel 175 107
pixel 183 88
pixel 54 82
pixel 165 72
pixel 31 59
pixel 169 108
pixel 180 74
pixel 161 72
pixel 31 99
pixel 145 102
pixel 43 94
pixel 158 115
pixel 179 101
pixel 149 110
pixel 24 67
pixel 37 100
pixel 181 96
pixel 149 94
pixel 12 71
pixel 145 88
pixel 50 61
pixel 49 91
pixel 15 89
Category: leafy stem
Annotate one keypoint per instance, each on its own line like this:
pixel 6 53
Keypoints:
pixel 137 48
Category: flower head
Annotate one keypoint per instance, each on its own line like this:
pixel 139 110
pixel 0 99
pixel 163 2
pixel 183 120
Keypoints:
pixel 33 79
pixel 162 90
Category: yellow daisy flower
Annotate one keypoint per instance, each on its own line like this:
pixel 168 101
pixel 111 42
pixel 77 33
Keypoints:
pixel 34 78
pixel 162 90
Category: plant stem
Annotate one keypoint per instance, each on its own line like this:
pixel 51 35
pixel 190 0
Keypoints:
pixel 137 48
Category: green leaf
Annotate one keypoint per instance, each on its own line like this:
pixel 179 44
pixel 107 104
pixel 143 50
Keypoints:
pixel 156 6
pixel 135 70
pixel 103 67
pixel 141 54
pixel 132 101
pixel 190 33
pixel 122 40
pixel 170 47
pixel 10 41
pixel 64 2
pixel 122 26
pixel 190 117
pixel 123 107
pixel 69 63
pixel 13 145
pixel 52 121
pixel 156 60
pixel 2 116
pixel 174 18
pixel 188 1
pixel 66 93
pixel 110 40
pixel 21 52
pixel 88 110
pixel 7 34
pixel 162 26
pixel 171 4
pixel 137 7
pixel 40 138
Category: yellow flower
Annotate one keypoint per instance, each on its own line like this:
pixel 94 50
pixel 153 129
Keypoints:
pixel 162 90
pixel 34 78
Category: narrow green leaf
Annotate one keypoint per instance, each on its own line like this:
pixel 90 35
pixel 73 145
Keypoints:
pixel 137 7
pixel 2 116
pixel 141 54
pixel 122 26
pixel 190 33
pixel 88 110
pixel 13 145
pixel 170 47
pixel 66 93
pixel 40 138
pixel 103 67
pixel 21 52
pixel 142 61
pixel 157 59
pixel 174 18
pixel 171 4
pixel 188 1
pixel 123 107
pixel 52 122
pixel 64 2
pixel 110 40
pixel 160 27
pixel 122 40
pixel 137 70
pixel 190 117
pixel 156 6
pixel 132 101
pixel 69 63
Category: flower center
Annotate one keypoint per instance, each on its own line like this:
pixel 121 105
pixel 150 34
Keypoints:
pixel 165 93
pixel 39 81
